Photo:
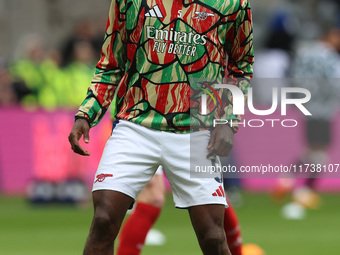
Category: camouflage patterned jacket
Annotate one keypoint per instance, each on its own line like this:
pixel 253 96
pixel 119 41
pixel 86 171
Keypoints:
pixel 159 55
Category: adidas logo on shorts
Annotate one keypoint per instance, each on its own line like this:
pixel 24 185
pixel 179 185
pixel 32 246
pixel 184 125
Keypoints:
pixel 219 192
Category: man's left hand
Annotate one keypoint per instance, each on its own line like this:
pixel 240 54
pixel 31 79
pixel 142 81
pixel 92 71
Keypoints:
pixel 221 141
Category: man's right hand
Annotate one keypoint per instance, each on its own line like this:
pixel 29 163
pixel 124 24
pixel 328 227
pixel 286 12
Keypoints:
pixel 80 128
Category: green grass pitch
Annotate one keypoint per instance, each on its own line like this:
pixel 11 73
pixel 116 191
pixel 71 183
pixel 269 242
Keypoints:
pixel 52 230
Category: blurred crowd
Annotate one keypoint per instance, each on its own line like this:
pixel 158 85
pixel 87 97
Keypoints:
pixel 300 41
pixel 38 77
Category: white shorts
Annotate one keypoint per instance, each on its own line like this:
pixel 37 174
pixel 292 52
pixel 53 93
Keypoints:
pixel 133 153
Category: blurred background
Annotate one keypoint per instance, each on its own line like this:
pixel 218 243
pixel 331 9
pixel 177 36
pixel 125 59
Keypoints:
pixel 48 50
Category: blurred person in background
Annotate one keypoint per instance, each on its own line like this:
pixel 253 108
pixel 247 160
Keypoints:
pixel 50 85
pixel 7 93
pixel 78 73
pixel 273 66
pixel 83 33
pixel 317 68
pixel 11 90
pixel 273 63
pixel 34 66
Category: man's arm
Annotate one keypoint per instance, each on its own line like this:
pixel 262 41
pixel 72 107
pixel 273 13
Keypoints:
pixel 239 47
pixel 109 72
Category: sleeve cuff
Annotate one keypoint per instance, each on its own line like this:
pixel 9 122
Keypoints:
pixel 82 117
pixel 234 129
pixel 234 125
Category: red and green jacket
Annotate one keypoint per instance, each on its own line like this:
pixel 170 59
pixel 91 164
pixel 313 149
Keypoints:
pixel 158 55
